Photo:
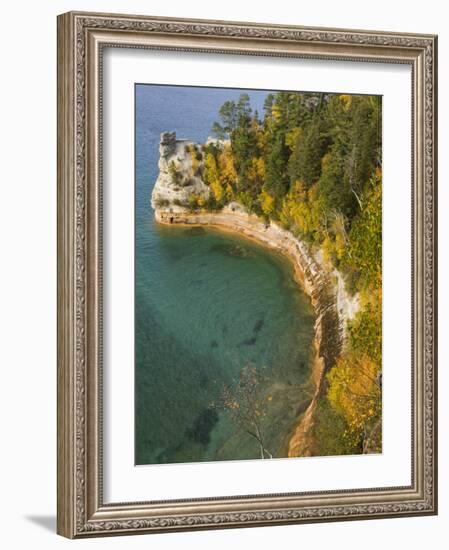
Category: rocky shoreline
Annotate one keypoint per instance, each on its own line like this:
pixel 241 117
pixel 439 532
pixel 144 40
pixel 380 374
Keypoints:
pixel 332 305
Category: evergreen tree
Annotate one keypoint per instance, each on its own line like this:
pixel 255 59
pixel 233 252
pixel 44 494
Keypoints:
pixel 314 164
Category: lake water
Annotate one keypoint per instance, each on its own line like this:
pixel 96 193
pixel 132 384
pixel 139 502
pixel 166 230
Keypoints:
pixel 207 303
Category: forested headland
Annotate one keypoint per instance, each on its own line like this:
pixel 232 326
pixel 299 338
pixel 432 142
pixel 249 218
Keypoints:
pixel 311 162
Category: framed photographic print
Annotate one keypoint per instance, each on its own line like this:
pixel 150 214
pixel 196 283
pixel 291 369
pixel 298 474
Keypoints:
pixel 246 274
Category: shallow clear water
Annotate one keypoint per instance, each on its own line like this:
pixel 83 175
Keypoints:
pixel 207 303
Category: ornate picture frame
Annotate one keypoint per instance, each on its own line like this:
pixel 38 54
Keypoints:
pixel 82 38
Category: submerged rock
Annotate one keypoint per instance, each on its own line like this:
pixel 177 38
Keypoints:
pixel 234 250
pixel 203 426
pixel 195 232
pixel 248 342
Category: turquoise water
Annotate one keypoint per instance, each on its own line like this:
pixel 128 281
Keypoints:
pixel 206 304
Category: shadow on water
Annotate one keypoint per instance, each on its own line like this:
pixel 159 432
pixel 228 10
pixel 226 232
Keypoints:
pixel 203 426
pixel 204 381
pixel 248 342
pixel 233 250
pixel 195 231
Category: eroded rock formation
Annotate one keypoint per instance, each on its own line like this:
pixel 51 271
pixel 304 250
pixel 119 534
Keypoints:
pixel 181 166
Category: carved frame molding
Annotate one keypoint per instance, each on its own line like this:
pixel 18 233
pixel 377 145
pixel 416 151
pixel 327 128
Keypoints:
pixel 81 39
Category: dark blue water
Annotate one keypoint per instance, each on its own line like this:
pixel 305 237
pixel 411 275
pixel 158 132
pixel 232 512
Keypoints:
pixel 207 304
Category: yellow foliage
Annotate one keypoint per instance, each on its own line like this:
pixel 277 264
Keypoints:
pixel 217 190
pixel 325 161
pixel 313 193
pixel 227 172
pixel 260 167
pixel 262 139
pixel 212 177
pixel 300 209
pixel 276 112
pixel 327 248
pixel 211 168
pixel 254 125
pixel 354 390
pixel 257 169
pixel 266 203
pixel 339 245
pixel 299 191
pixel 252 171
pixel 346 101
pixel 372 296
pixel 291 137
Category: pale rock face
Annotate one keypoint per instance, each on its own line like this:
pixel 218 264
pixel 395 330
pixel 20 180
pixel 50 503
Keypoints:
pixel 181 167
pixel 234 207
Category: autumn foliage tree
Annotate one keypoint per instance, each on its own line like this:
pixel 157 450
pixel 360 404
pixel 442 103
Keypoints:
pixel 354 390
pixel 244 402
pixel 355 381
pixel 313 164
